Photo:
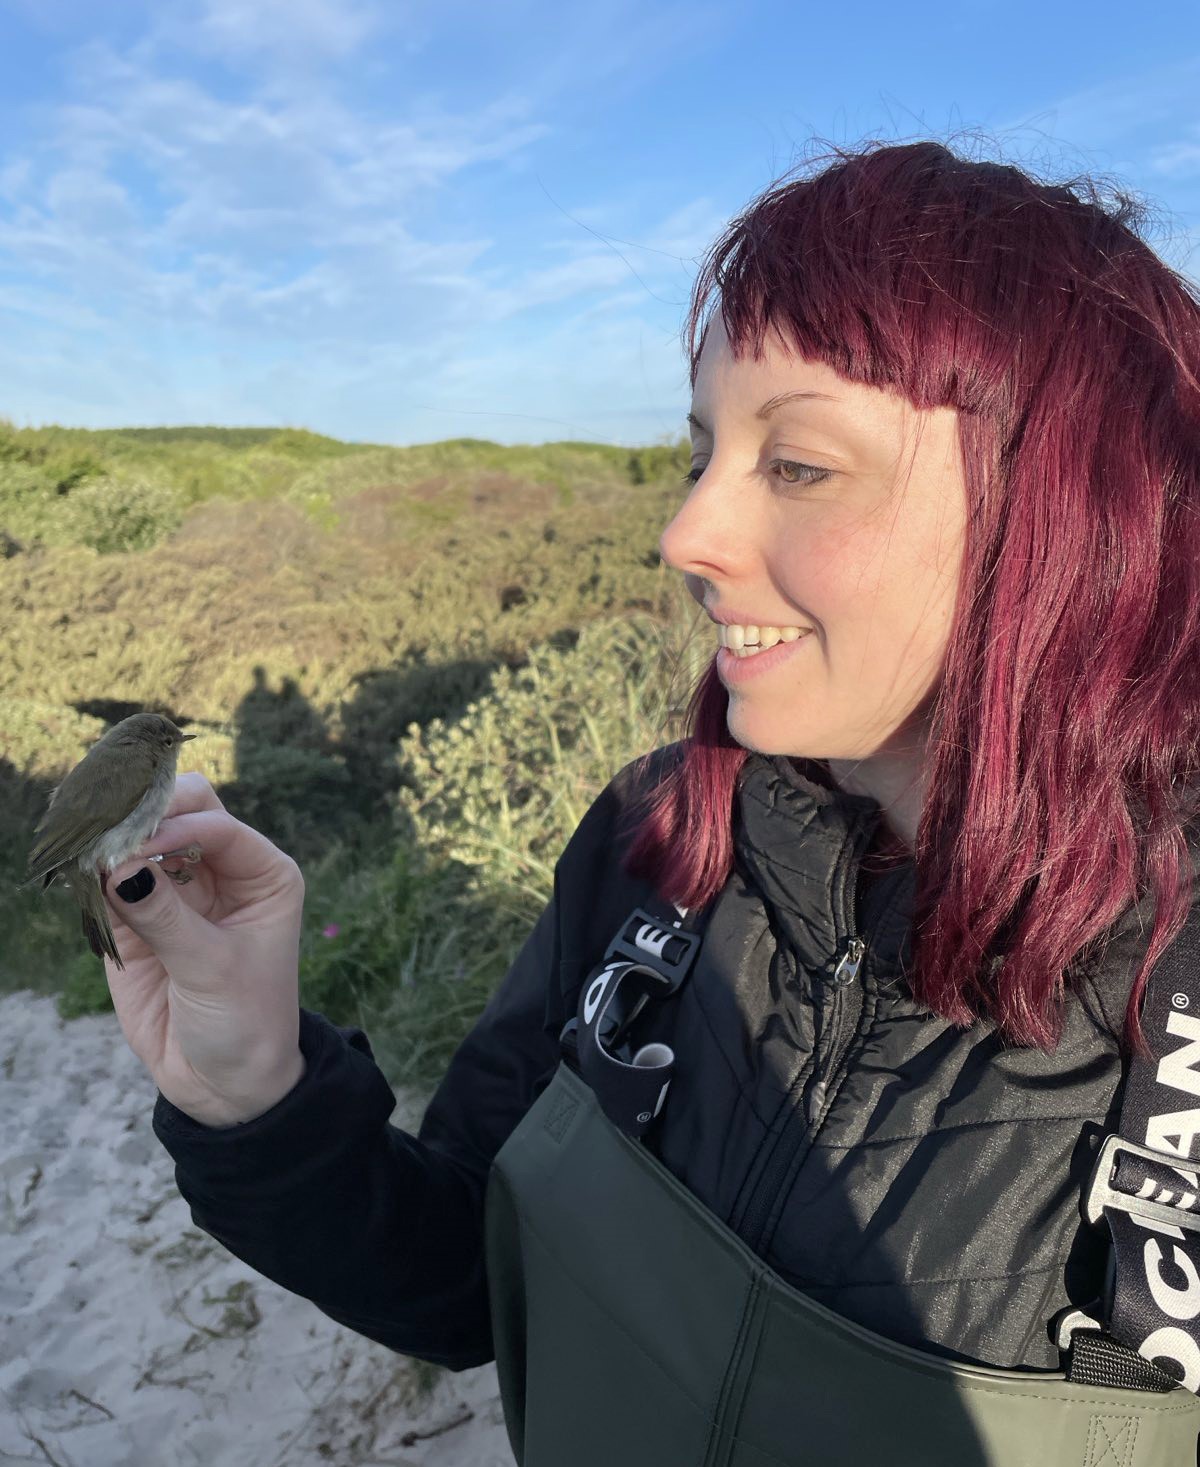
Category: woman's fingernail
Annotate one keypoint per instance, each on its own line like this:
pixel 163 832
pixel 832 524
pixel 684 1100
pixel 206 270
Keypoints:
pixel 137 886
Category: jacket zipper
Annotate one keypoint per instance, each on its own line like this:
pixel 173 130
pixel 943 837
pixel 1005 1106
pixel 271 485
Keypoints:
pixel 847 995
pixel 845 1012
pixel 847 1002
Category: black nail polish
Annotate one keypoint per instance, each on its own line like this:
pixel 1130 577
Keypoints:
pixel 137 886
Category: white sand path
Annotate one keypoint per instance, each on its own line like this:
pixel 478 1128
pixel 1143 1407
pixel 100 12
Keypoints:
pixel 128 1338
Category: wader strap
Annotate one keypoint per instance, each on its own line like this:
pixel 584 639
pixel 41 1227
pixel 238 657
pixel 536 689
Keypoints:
pixel 650 956
pixel 1145 1188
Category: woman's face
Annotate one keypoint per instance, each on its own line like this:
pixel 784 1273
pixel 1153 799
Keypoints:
pixel 866 553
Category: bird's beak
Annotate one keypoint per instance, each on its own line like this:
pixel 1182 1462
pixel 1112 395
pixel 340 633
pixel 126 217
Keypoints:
pixel 186 737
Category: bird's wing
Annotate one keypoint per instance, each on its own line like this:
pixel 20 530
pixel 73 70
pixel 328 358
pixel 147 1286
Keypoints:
pixel 85 805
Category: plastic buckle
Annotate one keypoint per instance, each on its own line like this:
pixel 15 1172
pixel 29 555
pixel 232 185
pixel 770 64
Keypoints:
pixel 1101 1193
pixel 1070 1320
pixel 647 950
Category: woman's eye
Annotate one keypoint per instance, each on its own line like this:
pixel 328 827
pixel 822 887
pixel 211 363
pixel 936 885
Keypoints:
pixel 804 473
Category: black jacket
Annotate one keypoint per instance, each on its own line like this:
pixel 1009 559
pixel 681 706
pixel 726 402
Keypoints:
pixel 922 1180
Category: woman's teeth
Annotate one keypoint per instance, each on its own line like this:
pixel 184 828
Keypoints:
pixel 749 641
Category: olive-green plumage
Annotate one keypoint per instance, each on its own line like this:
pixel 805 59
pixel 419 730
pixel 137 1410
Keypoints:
pixel 106 808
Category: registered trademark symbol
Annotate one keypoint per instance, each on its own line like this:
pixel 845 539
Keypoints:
pixel 1180 1000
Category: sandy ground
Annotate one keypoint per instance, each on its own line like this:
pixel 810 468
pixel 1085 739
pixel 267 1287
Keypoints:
pixel 128 1338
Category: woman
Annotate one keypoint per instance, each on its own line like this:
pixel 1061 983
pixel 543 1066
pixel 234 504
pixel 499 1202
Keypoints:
pixel 905 880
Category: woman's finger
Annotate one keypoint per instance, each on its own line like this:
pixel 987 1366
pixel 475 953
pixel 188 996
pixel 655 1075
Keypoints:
pixel 235 851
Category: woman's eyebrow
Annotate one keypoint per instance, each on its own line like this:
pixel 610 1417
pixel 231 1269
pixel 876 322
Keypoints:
pixel 771 404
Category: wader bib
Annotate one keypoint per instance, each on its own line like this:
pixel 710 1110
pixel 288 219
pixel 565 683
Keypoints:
pixel 633 1328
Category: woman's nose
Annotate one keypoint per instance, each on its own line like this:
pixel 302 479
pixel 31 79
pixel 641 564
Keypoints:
pixel 703 533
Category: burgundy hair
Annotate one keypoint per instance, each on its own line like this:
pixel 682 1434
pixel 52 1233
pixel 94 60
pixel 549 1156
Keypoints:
pixel 1064 729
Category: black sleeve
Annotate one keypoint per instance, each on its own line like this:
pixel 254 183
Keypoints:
pixel 381 1230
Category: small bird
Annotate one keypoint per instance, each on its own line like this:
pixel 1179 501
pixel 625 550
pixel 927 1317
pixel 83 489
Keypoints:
pixel 107 807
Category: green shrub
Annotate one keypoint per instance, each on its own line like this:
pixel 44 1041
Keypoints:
pixel 502 787
pixel 299 798
pixel 85 988
pixel 41 738
pixel 413 669
pixel 115 514
pixel 489 802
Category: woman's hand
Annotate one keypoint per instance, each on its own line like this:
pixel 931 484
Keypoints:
pixel 209 996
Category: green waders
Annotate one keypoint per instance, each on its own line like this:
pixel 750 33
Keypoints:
pixel 634 1329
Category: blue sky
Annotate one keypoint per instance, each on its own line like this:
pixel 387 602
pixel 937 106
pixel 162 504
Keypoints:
pixel 421 219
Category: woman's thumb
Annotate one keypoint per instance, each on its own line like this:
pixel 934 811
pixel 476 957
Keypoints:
pixel 146 901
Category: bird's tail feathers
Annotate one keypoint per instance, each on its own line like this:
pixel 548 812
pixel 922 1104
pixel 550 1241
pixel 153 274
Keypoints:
pixel 45 877
pixel 94 918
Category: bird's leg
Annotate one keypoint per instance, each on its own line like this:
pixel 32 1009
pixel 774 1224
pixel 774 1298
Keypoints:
pixel 191 854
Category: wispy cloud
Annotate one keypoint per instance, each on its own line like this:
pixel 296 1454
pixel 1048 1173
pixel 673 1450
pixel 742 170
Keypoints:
pixel 292 29
pixel 157 195
pixel 1125 111
pixel 397 219
pixel 1179 159
pixel 248 223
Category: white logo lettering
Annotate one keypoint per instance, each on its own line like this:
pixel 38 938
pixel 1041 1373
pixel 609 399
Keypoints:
pixel 595 993
pixel 1178 1345
pixel 653 939
pixel 1176 1131
pixel 1176 1069
pixel 1178 1303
